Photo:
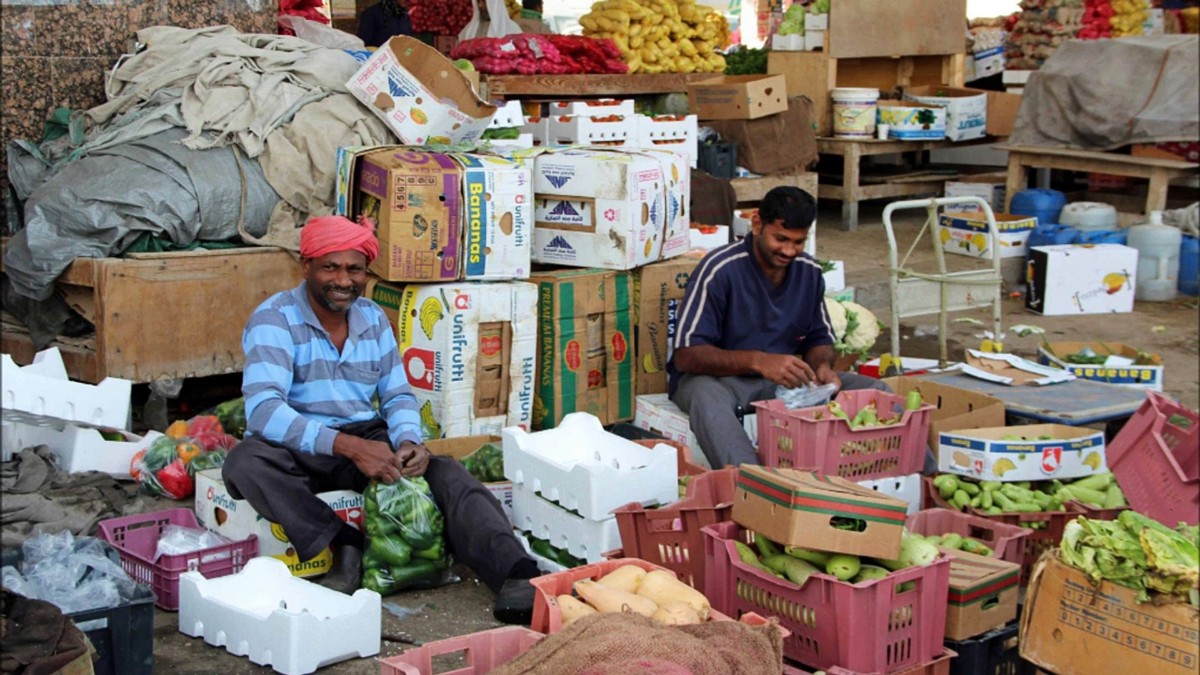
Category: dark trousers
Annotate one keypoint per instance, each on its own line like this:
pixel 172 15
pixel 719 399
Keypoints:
pixel 282 485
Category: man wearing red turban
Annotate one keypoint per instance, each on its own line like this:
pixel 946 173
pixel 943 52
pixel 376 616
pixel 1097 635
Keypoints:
pixel 316 356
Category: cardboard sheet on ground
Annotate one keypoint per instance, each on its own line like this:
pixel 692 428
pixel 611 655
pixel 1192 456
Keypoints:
pixel 1011 370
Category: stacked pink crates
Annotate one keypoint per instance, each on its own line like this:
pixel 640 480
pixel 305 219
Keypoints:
pixel 1156 460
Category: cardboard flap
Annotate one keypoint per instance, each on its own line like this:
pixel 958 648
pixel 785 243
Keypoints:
pixel 1011 370
pixel 809 490
pixel 429 65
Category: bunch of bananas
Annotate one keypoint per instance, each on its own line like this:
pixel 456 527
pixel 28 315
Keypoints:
pixel 661 36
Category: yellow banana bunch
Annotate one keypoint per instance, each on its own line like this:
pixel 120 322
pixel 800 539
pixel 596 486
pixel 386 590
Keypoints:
pixel 661 36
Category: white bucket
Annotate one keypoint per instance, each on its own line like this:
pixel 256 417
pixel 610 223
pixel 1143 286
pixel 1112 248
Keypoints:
pixel 1158 259
pixel 1089 216
pixel 854 111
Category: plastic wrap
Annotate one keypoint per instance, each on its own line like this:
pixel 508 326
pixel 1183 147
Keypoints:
pixel 177 540
pixel 805 397
pixel 406 547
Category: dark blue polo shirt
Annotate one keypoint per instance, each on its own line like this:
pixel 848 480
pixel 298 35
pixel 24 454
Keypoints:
pixel 730 303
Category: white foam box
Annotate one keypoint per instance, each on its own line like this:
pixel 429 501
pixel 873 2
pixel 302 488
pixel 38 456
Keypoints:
pixel 835 279
pixel 658 414
pixel 216 510
pixel 509 146
pixel 469 352
pixel 990 188
pixel 911 121
pixel 1081 279
pixel 538 128
pixel 544 565
pixel 966 109
pixel 582 537
pixel 1118 369
pixel 420 94
pixel 42 392
pixel 584 468
pixel 907 488
pixel 708 237
pixel 611 209
pixel 968 234
pixel 507 116
pixel 788 43
pixel 497 218
pixel 816 22
pixel 1072 452
pixel 275 619
pixel 592 108
pixel 620 131
pixel 1016 77
pixel 674 133
pixel 81 448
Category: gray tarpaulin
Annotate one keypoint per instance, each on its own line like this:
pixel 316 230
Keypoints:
pixel 99 204
pixel 1106 94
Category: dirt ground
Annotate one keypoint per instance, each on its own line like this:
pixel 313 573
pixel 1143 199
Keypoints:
pixel 1169 329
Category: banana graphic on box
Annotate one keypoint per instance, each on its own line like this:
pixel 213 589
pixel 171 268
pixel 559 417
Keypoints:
pixel 1093 460
pixel 648 364
pixel 430 428
pixel 1003 466
pixel 429 314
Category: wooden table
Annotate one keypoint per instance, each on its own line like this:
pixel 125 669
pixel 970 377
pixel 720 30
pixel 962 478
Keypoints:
pixel 1158 171
pixel 754 189
pixel 851 191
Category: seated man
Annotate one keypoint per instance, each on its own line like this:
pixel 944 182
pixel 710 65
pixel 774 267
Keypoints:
pixel 315 356
pixel 753 317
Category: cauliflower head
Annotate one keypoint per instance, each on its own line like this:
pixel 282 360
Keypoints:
pixel 862 327
pixel 837 318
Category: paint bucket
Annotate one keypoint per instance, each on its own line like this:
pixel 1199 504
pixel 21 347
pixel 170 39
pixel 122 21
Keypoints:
pixel 854 111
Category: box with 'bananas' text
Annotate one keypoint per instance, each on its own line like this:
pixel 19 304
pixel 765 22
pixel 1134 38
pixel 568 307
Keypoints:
pixel 1030 452
pixel 658 297
pixel 968 234
pixel 469 352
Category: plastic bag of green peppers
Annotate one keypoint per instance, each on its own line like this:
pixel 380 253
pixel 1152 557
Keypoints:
pixel 405 543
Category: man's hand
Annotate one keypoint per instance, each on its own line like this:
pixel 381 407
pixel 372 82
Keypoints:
pixel 373 458
pixel 827 375
pixel 411 459
pixel 787 370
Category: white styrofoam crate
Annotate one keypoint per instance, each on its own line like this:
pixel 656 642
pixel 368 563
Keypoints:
pixel 620 132
pixel 698 238
pixel 676 133
pixel 276 619
pixel 584 468
pixel 907 488
pixel 42 391
pixel 508 115
pixel 596 108
pixel 501 146
pixel 538 128
pixel 788 43
pixel 544 565
pixel 582 537
pixel 79 448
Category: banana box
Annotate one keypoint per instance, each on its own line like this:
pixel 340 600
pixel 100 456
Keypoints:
pixel 968 234
pixel 658 291
pixel 1081 279
pixel 610 209
pixel 497 218
pixel 1121 366
pixel 1029 452
pixel 236 519
pixel 469 351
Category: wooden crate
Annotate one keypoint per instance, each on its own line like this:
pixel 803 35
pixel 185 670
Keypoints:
pixel 163 315
pixel 816 74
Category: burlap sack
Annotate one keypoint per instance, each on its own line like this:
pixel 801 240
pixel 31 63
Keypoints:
pixel 624 644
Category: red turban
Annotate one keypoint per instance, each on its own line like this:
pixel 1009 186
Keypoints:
pixel 329 234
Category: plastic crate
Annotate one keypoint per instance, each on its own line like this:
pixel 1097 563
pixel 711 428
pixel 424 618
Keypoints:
pixel 868 627
pixel 1157 462
pixel 812 438
pixel 1036 541
pixel 482 652
pixel 943 665
pixel 136 538
pixel 719 160
pixel 1006 541
pixel 993 653
pixel 671 536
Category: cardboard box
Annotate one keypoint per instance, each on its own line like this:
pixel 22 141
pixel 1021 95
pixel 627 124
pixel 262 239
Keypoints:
pixel 1118 370
pixel 497 213
pixel 912 121
pixel 966 109
pixel 656 412
pixel 237 520
pixel 983 594
pixel 737 97
pixel 614 131
pixel 990 187
pixel 658 293
pixel 794 508
pixel 1002 109
pixel 610 209
pixel 469 351
pixel 1073 627
pixel 1073 452
pixel 968 234
pixel 987 62
pixel 1081 279
pixel 584 352
pixel 460 447
pixel 954 408
pixel 1011 370
pixel 420 94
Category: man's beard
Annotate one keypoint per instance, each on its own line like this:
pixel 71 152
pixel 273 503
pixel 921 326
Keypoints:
pixel 338 305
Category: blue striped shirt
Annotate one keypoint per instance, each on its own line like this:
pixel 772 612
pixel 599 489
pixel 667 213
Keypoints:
pixel 299 389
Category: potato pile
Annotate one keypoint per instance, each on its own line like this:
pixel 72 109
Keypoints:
pixel 661 36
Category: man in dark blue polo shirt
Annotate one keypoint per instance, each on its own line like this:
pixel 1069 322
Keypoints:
pixel 753 317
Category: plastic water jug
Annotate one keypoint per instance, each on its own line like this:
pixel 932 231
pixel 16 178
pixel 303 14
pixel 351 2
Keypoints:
pixel 1158 249
pixel 1103 237
pixel 1086 216
pixel 1189 266
pixel 1041 202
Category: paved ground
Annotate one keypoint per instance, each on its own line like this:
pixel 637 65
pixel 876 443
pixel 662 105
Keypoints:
pixel 1167 328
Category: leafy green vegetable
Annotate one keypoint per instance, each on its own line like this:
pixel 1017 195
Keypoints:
pixel 1136 552
pixel 746 61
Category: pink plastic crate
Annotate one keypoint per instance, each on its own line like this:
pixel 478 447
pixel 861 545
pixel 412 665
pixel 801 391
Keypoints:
pixel 1157 462
pixel 483 652
pixel 1006 541
pixel 136 538
pixel 670 536
pixel 869 627
pixel 939 666
pixel 812 438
